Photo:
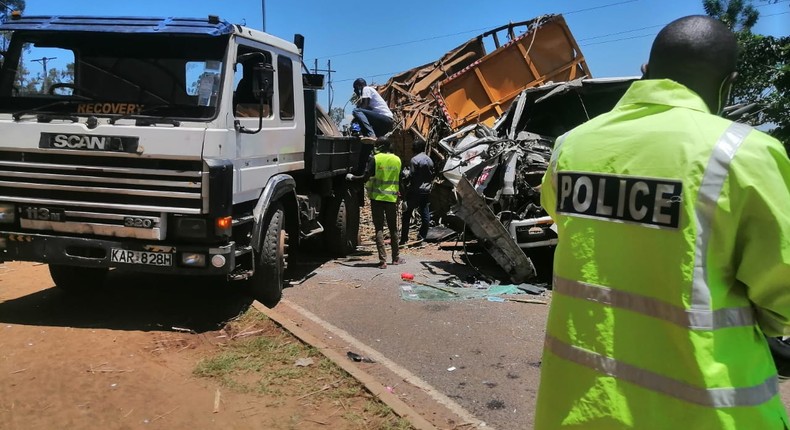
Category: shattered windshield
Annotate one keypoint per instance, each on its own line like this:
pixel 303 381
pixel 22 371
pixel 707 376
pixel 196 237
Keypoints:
pixel 112 75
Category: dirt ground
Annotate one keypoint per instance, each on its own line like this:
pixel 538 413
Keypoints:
pixel 140 356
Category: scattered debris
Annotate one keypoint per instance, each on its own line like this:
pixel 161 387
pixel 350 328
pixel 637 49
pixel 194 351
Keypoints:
pixel 217 395
pixel 537 302
pixel 531 289
pixel 248 333
pixel 324 388
pixel 450 369
pixel 303 362
pixel 158 417
pixel 358 358
pixel 304 278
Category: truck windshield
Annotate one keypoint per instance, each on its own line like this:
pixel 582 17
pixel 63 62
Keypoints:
pixel 113 75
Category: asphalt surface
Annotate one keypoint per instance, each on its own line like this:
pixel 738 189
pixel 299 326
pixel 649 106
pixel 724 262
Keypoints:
pixel 483 355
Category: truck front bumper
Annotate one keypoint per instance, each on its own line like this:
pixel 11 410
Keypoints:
pixel 138 256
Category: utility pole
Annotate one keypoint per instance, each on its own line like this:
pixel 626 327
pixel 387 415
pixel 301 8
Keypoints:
pixel 328 72
pixel 263 14
pixel 43 61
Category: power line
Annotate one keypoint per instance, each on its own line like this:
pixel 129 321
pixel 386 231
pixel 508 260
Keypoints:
pixel 771 4
pixel 599 7
pixel 621 32
pixel 586 44
pixel 596 37
pixel 476 30
pixel 618 40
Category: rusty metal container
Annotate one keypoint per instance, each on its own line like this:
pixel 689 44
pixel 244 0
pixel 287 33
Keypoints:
pixel 483 91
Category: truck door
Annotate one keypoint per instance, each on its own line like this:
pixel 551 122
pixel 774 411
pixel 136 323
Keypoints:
pixel 276 147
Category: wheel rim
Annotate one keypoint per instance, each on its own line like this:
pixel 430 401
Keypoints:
pixel 282 248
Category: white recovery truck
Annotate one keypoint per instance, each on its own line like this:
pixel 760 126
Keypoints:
pixel 173 146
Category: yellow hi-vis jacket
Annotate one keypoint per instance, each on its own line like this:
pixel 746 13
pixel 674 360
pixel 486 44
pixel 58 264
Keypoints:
pixel 673 259
pixel 385 183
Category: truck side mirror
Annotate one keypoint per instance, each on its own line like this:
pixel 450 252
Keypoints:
pixel 264 75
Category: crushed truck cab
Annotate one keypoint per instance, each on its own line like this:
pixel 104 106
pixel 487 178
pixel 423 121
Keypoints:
pixel 182 146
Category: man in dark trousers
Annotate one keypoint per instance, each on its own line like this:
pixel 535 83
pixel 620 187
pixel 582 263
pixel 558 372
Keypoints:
pixel 372 113
pixel 382 175
pixel 420 177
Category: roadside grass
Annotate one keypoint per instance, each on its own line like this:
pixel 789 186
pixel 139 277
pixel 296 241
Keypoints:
pixel 257 357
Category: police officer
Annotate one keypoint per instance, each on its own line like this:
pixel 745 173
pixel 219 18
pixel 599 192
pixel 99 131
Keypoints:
pixel 673 257
pixel 383 184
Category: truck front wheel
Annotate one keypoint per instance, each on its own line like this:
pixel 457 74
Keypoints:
pixel 266 284
pixel 77 279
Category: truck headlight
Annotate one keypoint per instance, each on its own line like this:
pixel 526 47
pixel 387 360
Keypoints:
pixel 7 213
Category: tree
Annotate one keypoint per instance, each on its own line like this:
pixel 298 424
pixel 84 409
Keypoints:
pixel 337 114
pixel 10 6
pixel 762 66
pixel 738 15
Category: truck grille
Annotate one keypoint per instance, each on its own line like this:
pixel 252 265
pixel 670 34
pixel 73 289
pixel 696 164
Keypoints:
pixel 100 195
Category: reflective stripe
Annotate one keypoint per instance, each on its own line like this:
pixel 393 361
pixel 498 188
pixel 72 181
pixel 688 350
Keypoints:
pixel 711 397
pixel 707 201
pixel 693 319
pixel 379 182
pixel 555 155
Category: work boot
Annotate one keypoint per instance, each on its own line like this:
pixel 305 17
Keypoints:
pixel 383 265
pixel 399 260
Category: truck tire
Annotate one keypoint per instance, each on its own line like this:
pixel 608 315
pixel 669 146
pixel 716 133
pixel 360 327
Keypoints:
pixel 780 351
pixel 77 279
pixel 342 220
pixel 266 284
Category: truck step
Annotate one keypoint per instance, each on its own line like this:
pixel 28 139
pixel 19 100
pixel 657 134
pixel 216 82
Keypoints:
pixel 243 250
pixel 243 220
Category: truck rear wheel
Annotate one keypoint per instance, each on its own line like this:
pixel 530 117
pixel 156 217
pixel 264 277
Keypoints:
pixel 77 279
pixel 342 219
pixel 266 284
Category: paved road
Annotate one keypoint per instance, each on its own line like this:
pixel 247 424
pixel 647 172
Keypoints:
pixel 494 348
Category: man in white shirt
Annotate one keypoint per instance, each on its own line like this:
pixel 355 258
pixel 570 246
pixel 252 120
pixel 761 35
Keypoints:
pixel 372 113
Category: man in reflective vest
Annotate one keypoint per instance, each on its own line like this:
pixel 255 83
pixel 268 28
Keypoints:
pixel 383 183
pixel 673 258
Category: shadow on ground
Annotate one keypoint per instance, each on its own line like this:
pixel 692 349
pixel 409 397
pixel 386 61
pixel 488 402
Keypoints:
pixel 479 265
pixel 134 302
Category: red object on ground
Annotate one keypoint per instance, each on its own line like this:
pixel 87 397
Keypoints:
pixel 407 276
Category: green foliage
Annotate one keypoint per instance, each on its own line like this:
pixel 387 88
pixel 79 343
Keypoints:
pixel 777 110
pixel 763 67
pixel 337 114
pixel 738 15
pixel 10 6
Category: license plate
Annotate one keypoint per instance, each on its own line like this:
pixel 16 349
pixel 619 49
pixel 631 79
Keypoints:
pixel 141 257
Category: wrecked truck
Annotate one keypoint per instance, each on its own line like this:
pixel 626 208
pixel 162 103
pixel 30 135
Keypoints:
pixel 490 119
pixel 473 83
pixel 494 173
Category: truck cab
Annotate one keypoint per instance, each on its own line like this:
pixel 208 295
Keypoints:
pixel 166 145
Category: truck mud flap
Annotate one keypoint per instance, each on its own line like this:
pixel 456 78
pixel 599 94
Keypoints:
pixel 479 218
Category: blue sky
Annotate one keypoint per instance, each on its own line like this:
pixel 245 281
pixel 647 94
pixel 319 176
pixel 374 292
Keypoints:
pixel 376 40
